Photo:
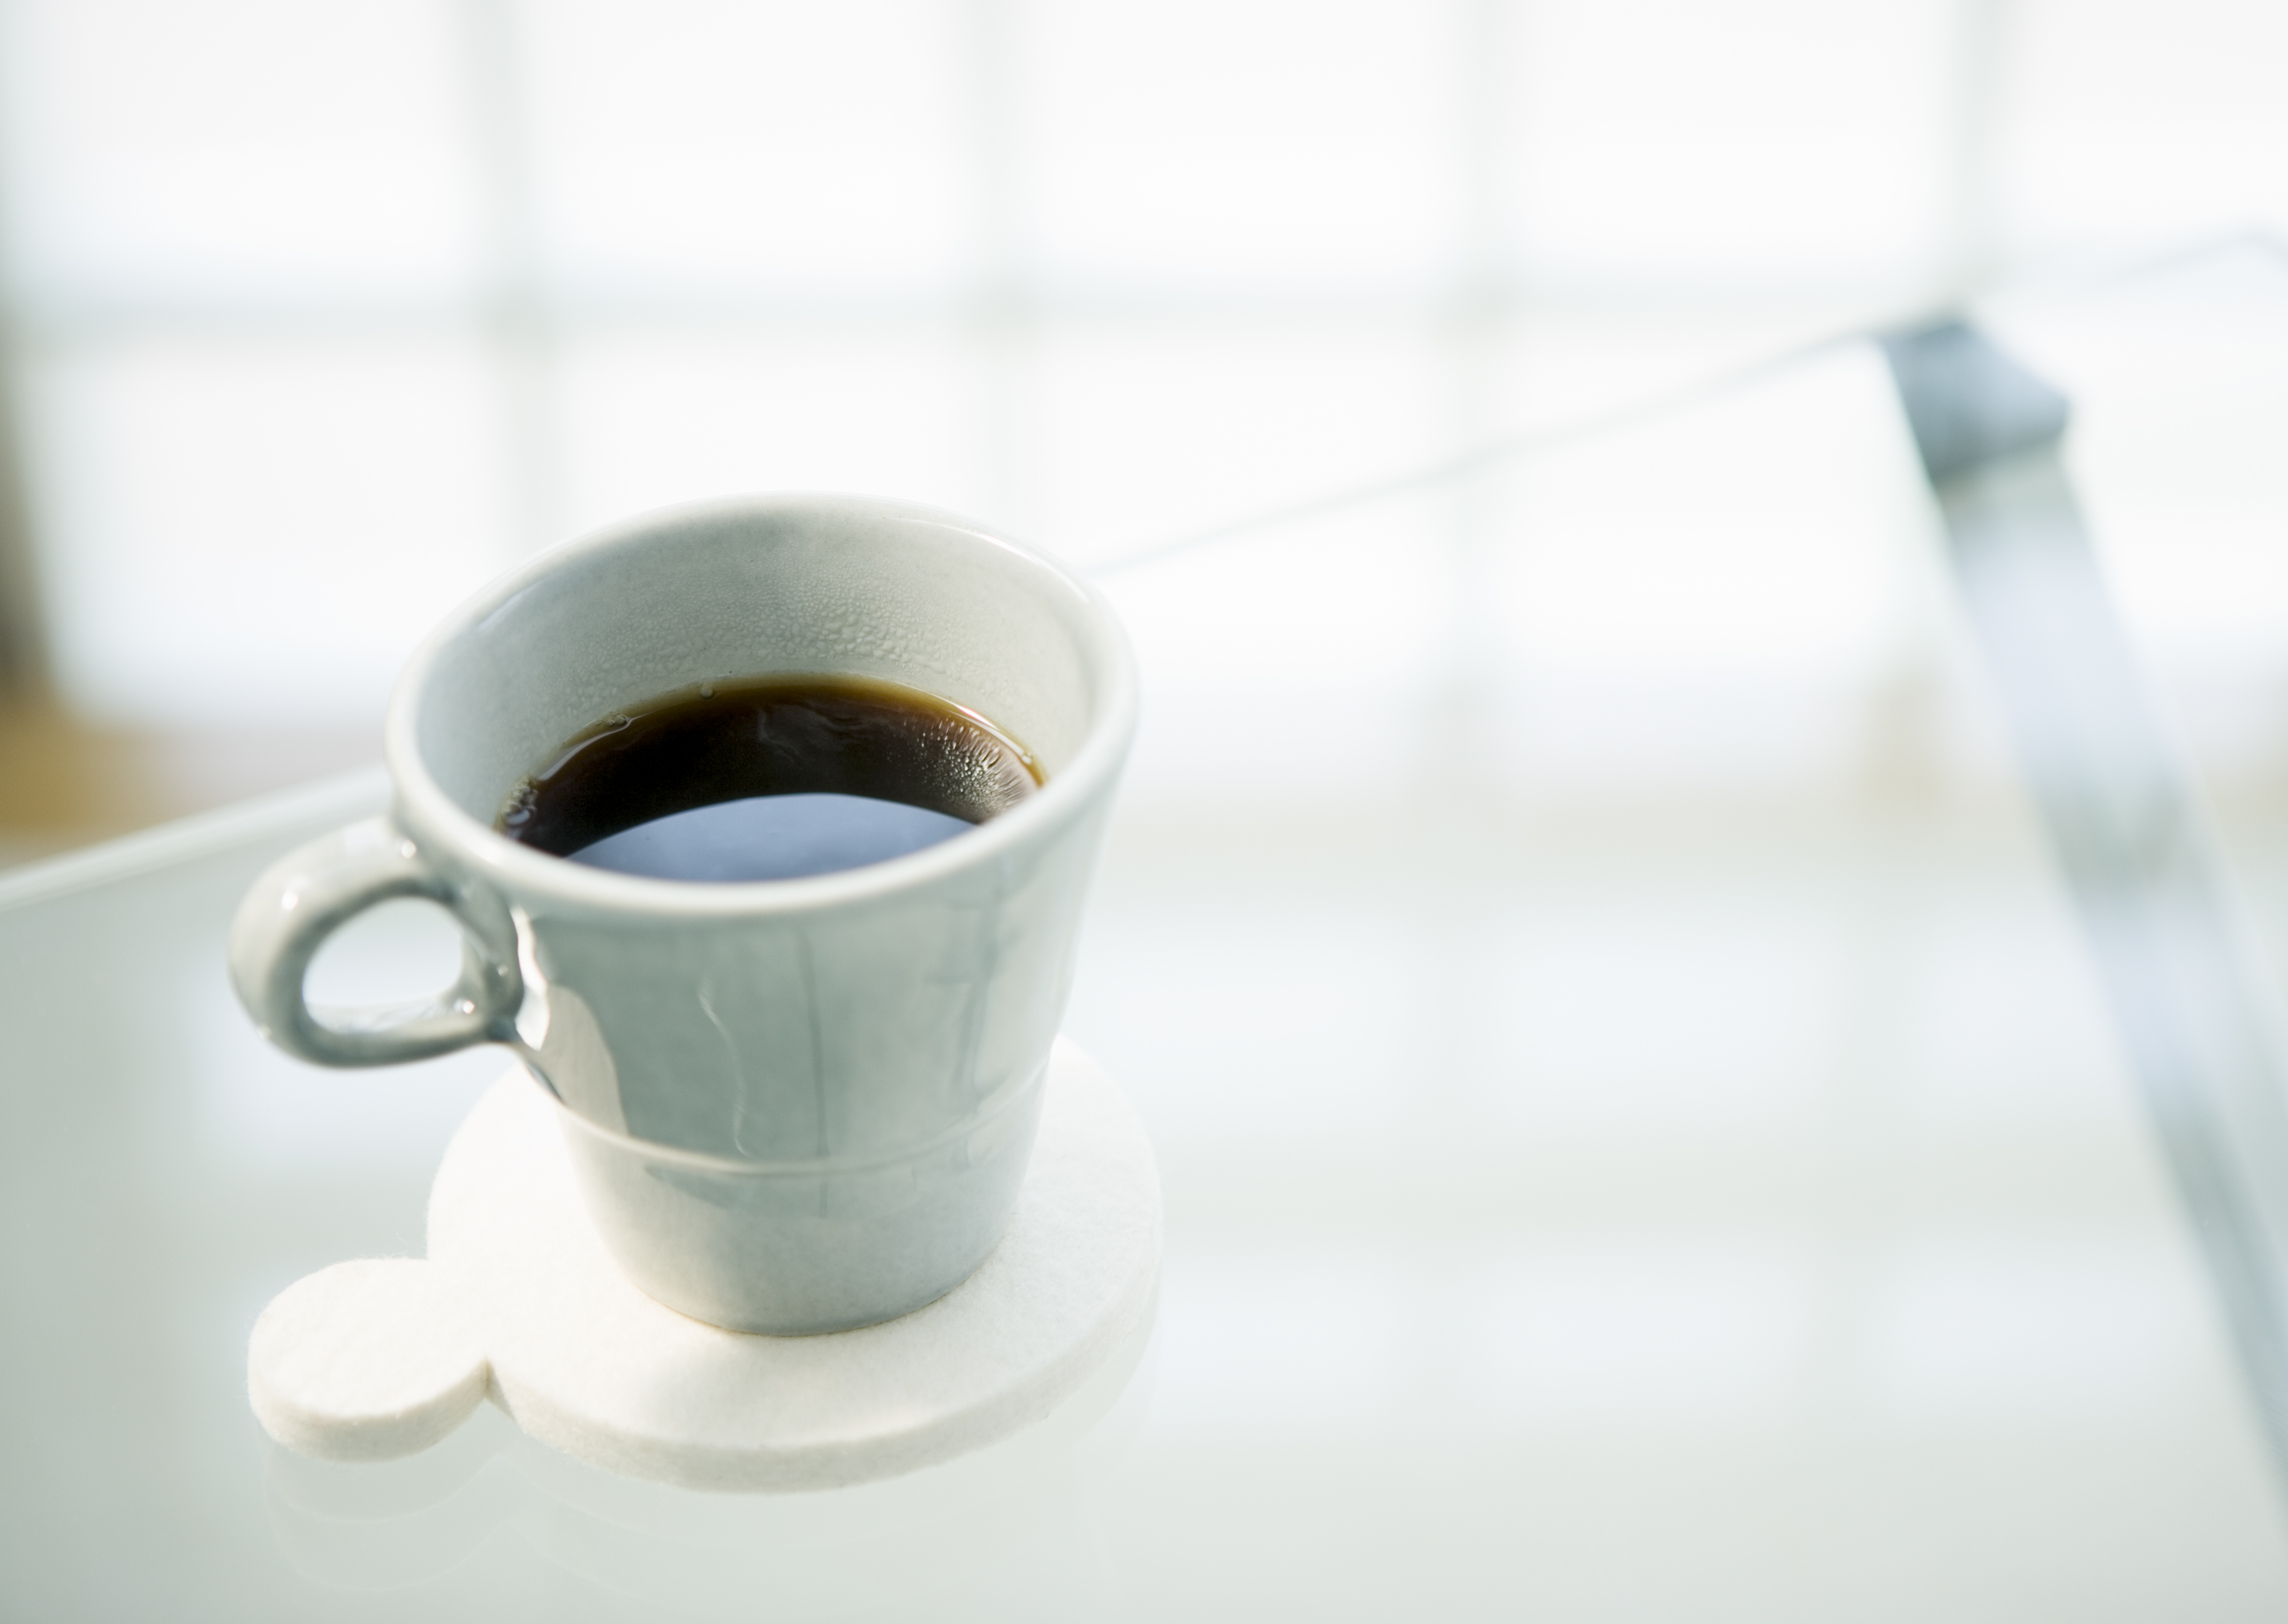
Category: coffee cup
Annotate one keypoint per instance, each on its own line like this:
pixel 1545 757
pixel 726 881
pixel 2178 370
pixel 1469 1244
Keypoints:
pixel 793 1105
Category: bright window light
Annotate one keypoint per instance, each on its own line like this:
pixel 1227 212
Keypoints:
pixel 241 152
pixel 2135 121
pixel 1226 149
pixel 1778 143
pixel 258 534
pixel 655 416
pixel 1137 432
pixel 1763 529
pixel 719 149
pixel 1107 276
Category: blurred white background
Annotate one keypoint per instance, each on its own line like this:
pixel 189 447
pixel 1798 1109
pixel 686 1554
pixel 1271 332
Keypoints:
pixel 317 315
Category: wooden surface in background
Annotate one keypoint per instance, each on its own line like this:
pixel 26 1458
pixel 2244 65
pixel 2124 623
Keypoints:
pixel 66 782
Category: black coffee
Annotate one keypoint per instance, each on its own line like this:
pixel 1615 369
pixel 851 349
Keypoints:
pixel 768 777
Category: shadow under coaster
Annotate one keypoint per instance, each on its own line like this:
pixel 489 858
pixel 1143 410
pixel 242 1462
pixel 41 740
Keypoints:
pixel 518 1301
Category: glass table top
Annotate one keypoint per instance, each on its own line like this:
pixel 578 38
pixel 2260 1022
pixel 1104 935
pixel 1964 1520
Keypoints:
pixel 1642 1135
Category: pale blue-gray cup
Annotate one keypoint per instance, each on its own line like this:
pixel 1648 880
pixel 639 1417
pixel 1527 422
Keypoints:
pixel 793 1105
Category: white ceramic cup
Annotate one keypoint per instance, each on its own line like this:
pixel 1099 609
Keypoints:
pixel 794 1105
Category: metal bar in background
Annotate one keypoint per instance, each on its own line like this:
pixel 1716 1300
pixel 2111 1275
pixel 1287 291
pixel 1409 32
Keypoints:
pixel 2184 981
pixel 24 671
pixel 24 675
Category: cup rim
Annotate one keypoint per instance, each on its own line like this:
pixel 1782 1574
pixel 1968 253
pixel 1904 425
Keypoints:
pixel 521 870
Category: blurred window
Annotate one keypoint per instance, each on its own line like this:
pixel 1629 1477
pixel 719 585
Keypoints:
pixel 321 314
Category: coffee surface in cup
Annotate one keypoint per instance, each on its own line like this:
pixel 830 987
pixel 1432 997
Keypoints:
pixel 768 777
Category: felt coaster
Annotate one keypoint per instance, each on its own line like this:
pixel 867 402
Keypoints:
pixel 519 1301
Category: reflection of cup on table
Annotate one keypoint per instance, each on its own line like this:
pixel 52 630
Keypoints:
pixel 795 1106
pixel 1009 1530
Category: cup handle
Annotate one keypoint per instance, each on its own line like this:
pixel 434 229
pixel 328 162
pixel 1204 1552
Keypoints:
pixel 312 892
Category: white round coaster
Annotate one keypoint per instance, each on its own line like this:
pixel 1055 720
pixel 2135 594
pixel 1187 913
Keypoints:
pixel 358 1362
pixel 365 1360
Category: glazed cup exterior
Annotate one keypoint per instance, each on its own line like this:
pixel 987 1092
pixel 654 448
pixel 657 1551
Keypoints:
pixel 793 1106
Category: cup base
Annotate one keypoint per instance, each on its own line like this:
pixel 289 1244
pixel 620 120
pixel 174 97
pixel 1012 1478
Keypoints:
pixel 809 1250
pixel 589 1364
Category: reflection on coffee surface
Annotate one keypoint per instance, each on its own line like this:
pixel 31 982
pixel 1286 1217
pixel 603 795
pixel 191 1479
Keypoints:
pixel 768 777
